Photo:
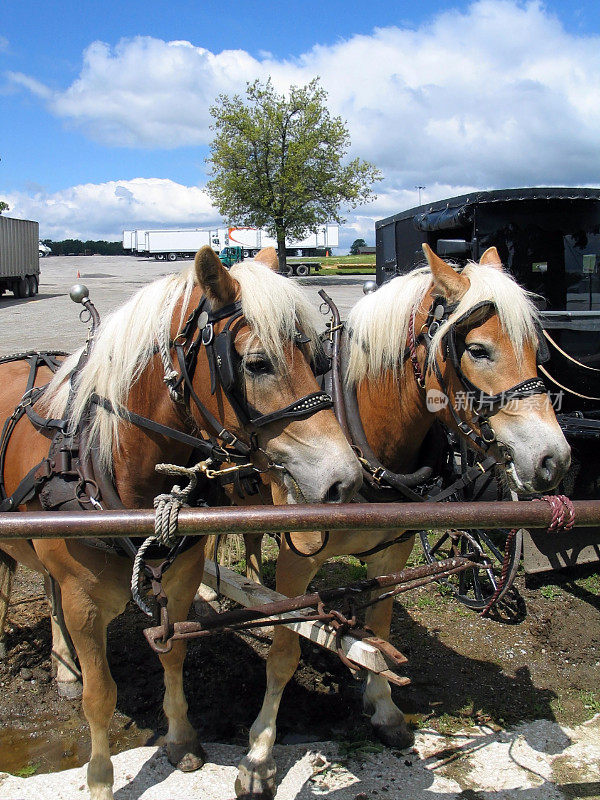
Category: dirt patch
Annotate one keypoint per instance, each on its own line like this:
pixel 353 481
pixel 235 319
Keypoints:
pixel 541 662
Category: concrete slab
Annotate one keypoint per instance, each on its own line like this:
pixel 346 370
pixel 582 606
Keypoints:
pixel 534 761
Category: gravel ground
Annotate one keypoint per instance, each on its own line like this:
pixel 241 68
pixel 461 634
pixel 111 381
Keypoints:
pixel 50 320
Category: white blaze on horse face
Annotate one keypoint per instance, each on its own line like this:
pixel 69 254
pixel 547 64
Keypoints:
pixel 538 455
pixel 531 445
pixel 310 456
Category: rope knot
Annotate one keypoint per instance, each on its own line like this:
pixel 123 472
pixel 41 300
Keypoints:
pixel 167 507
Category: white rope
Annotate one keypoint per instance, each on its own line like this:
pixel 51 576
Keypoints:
pixel 167 508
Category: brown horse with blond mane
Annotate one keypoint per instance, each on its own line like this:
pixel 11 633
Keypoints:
pixel 495 330
pixel 298 449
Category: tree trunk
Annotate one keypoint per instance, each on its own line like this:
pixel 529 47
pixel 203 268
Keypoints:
pixel 281 246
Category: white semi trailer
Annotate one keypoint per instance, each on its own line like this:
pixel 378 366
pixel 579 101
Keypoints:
pixel 251 240
pixel 171 244
pixel 19 256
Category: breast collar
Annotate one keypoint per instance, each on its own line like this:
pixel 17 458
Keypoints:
pixel 225 370
pixel 484 405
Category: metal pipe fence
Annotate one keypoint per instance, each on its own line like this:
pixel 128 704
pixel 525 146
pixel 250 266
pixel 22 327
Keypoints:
pixel 261 519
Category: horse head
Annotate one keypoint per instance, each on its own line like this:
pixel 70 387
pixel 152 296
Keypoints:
pixel 484 341
pixel 264 390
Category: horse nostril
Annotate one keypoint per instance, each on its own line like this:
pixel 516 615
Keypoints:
pixel 548 465
pixel 549 472
pixel 334 493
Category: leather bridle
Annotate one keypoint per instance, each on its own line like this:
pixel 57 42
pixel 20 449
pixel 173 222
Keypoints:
pixel 226 371
pixel 484 405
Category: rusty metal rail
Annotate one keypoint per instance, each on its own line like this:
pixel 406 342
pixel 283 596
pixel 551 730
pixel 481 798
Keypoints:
pixel 258 519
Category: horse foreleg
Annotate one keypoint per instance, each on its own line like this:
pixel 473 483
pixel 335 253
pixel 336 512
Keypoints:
pixel 256 776
pixel 7 570
pixel 87 625
pixel 387 719
pixel 68 674
pixel 183 748
pixel 253 545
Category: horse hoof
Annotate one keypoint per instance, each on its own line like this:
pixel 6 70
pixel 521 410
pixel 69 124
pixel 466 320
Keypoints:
pixel 256 781
pixel 186 758
pixel 70 690
pixel 397 736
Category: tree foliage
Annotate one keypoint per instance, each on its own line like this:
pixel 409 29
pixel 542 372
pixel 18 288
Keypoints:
pixel 78 248
pixel 3 206
pixel 356 244
pixel 278 162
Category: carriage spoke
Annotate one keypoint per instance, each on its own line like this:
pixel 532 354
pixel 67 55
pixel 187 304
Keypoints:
pixel 433 550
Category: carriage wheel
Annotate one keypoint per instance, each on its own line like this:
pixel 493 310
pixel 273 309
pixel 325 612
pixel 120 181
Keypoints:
pixel 475 587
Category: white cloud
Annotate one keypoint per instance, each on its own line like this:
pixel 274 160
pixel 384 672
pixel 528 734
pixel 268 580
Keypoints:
pixel 497 95
pixel 103 211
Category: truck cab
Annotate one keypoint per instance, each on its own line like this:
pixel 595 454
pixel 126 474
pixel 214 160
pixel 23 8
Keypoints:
pixel 231 255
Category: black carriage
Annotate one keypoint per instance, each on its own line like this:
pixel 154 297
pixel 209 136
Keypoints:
pixel 549 239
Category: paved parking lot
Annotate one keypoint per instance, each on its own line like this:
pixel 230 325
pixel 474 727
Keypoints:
pixel 50 320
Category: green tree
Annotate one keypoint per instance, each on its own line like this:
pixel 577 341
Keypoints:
pixel 278 162
pixel 355 245
pixel 3 206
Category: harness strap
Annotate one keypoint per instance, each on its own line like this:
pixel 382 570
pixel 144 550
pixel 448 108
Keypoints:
pixel 30 396
pixel 229 438
pixel 24 491
pixel 207 449
pixel 306 406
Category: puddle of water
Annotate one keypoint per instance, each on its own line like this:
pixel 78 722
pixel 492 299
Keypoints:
pixel 45 748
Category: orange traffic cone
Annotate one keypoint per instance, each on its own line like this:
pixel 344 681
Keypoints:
pixel 78 275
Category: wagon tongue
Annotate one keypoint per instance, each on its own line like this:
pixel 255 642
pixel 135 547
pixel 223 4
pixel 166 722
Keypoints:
pixel 161 637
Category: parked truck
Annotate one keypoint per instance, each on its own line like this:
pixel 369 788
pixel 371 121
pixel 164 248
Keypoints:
pixel 318 243
pixel 172 244
pixel 169 244
pixel 19 256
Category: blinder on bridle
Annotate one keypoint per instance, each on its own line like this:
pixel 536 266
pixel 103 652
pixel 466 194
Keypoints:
pixel 225 366
pixel 483 403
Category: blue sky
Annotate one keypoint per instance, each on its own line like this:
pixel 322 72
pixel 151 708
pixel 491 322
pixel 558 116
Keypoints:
pixel 104 121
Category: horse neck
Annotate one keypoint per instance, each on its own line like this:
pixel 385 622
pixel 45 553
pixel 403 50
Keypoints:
pixel 135 477
pixel 395 418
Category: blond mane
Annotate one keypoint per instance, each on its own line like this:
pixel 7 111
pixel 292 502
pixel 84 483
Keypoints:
pixel 378 323
pixel 127 340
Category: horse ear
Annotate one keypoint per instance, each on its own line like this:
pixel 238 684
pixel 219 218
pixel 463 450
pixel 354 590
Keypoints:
pixel 214 280
pixel 451 284
pixel 268 256
pixel 491 258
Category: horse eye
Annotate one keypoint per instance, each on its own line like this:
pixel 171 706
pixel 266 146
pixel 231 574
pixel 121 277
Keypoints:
pixel 258 365
pixel 478 352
